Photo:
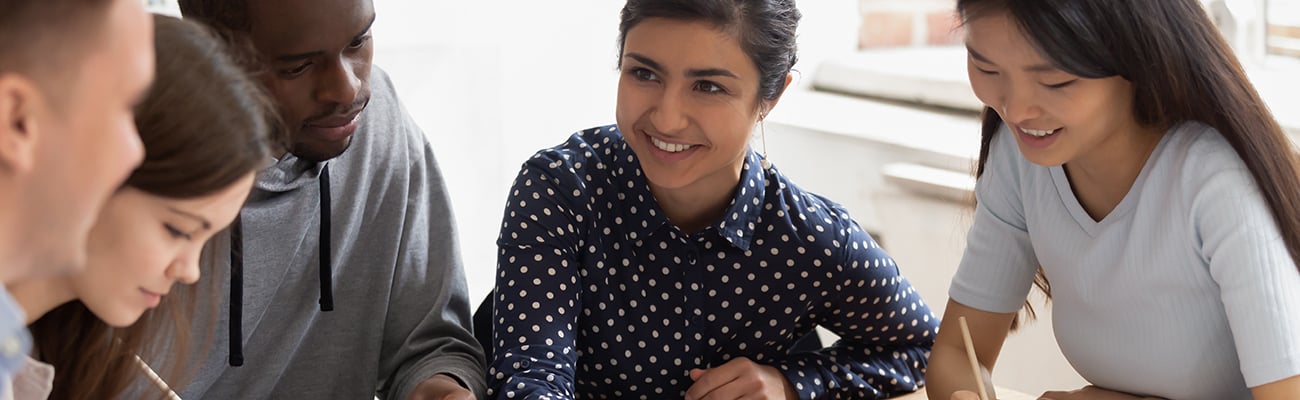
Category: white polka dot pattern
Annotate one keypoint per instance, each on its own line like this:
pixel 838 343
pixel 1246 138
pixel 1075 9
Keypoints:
pixel 598 296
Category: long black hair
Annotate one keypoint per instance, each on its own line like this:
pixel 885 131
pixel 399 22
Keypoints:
pixel 1181 70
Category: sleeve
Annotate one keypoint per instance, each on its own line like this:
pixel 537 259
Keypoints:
pixel 537 297
pixel 997 269
pixel 1258 279
pixel 886 330
pixel 427 329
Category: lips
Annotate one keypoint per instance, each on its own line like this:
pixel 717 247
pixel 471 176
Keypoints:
pixel 669 151
pixel 334 128
pixel 670 147
pixel 1038 138
pixel 152 298
pixel 1040 132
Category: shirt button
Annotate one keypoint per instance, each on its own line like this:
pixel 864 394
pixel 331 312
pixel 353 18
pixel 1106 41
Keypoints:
pixel 11 347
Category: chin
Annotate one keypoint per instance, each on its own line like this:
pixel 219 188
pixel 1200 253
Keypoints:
pixel 670 181
pixel 122 320
pixel 318 152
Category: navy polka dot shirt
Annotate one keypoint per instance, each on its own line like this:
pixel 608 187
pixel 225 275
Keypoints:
pixel 599 296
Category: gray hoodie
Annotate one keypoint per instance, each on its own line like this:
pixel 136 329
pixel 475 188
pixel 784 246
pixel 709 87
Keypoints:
pixel 400 308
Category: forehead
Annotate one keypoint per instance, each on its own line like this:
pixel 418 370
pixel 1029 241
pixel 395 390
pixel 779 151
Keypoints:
pixel 121 58
pixel 997 36
pixel 688 44
pixel 307 25
pixel 212 206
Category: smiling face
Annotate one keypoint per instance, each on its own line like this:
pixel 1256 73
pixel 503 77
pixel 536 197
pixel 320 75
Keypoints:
pixel 142 244
pixel 319 53
pixel 1057 117
pixel 687 110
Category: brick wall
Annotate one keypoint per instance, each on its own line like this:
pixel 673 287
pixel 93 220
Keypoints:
pixel 908 23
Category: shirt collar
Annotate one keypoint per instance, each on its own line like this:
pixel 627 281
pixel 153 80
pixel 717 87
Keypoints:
pixel 739 222
pixel 15 342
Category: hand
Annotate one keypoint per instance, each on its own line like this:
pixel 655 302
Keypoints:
pixel 441 387
pixel 740 378
pixel 1090 393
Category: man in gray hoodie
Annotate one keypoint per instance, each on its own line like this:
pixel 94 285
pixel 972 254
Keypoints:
pixel 355 214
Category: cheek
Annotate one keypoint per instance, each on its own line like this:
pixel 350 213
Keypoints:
pixel 984 89
pixel 127 253
pixel 629 106
pixel 361 62
pixel 726 127
pixel 293 99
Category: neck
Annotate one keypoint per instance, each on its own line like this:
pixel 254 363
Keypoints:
pixel 38 296
pixel 11 258
pixel 1102 177
pixel 693 207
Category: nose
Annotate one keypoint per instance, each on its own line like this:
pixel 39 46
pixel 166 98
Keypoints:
pixel 185 269
pixel 135 147
pixel 1019 105
pixel 669 115
pixel 338 83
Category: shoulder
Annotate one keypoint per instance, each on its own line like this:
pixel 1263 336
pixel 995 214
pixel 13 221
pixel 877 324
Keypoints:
pixel 589 152
pixel 816 218
pixel 1202 161
pixel 1201 149
pixel 386 130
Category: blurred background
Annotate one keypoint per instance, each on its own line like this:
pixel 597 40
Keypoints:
pixel 880 117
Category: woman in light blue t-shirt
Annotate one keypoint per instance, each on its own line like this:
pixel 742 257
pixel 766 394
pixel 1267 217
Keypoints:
pixel 1127 160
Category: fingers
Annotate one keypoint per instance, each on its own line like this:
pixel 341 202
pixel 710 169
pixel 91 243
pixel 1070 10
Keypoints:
pixel 739 378
pixel 710 380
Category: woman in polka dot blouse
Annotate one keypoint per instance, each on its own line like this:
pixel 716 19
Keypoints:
pixel 662 258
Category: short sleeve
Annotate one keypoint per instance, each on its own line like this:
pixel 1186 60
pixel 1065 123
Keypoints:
pixel 1258 279
pixel 998 266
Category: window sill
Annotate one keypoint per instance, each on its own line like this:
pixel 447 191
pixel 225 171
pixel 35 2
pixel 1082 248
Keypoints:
pixel 936 76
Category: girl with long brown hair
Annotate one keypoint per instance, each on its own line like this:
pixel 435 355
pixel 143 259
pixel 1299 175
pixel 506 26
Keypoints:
pixel 206 129
pixel 1127 160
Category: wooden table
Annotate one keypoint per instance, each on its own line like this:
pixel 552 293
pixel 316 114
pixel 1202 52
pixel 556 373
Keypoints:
pixel 1003 394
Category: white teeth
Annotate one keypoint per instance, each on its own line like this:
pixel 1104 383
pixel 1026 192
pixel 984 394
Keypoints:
pixel 670 147
pixel 1038 133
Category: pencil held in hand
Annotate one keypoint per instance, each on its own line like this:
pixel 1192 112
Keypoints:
pixel 974 361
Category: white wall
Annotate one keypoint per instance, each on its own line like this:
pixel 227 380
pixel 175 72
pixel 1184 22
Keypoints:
pixel 491 82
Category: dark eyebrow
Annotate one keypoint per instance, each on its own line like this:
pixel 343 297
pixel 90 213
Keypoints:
pixel 304 56
pixel 206 225
pixel 977 56
pixel 709 72
pixel 645 60
pixel 693 73
pixel 1032 68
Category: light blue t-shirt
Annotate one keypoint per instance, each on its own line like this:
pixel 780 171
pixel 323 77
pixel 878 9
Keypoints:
pixel 1184 291
pixel 15 342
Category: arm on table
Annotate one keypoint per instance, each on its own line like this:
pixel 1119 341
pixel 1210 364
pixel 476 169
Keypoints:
pixel 949 369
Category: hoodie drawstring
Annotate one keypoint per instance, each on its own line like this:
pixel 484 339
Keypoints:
pixel 237 271
pixel 326 272
pixel 236 292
